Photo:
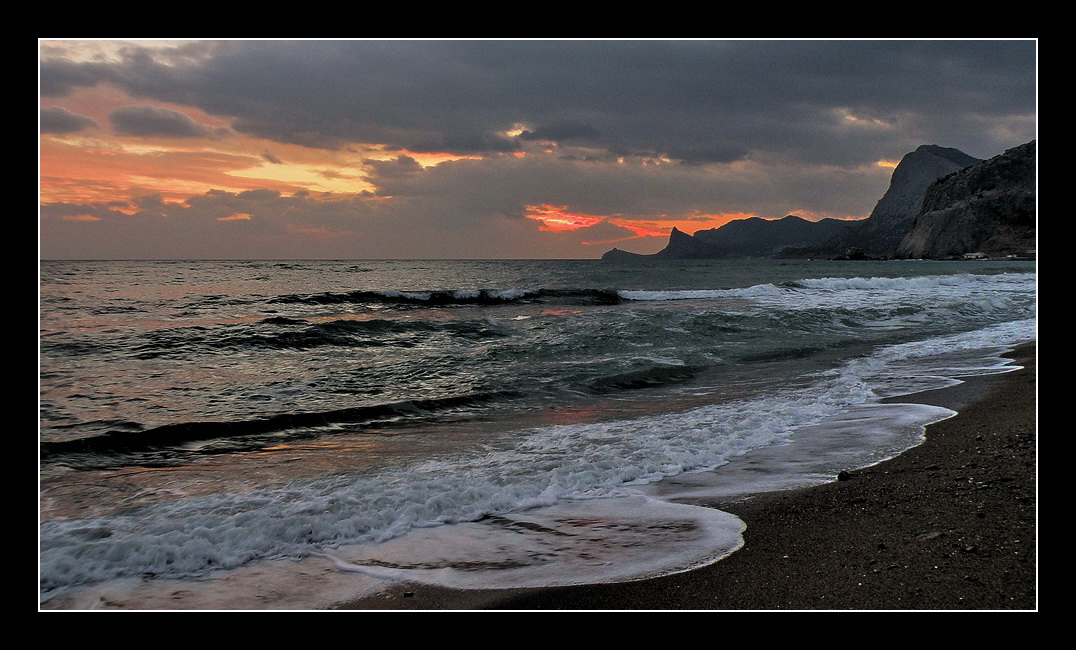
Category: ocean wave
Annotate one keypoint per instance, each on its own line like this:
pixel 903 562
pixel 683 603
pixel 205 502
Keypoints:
pixel 602 296
pixel 1017 280
pixel 284 333
pixel 920 282
pixel 703 294
pixel 646 377
pixel 133 438
pixel 442 298
pixel 545 466
pixel 548 465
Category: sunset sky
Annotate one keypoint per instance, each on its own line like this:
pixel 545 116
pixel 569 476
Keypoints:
pixel 346 149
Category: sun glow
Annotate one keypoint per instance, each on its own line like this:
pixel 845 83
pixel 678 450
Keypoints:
pixel 425 159
pixel 516 130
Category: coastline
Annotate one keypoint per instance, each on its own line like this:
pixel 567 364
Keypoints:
pixel 948 525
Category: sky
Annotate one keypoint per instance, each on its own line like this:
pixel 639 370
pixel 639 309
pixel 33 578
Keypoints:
pixel 364 149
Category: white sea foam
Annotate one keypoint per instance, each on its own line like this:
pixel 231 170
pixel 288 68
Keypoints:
pixel 913 367
pixel 866 285
pixel 410 295
pixel 703 294
pixel 571 542
pixel 919 282
pixel 512 294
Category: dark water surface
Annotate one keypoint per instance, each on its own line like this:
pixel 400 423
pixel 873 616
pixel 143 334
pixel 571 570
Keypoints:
pixel 203 417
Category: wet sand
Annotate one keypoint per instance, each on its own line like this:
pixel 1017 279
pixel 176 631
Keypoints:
pixel 948 525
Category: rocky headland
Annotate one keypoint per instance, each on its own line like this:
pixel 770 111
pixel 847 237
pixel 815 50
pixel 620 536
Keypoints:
pixel 941 204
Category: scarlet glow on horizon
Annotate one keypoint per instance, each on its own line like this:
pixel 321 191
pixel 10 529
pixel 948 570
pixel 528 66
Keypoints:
pixel 560 219
pixel 689 225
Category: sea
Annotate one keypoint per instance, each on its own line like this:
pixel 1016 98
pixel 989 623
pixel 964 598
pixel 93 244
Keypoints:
pixel 292 435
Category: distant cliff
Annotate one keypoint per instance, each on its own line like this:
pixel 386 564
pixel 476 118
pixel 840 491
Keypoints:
pixel 754 237
pixel 881 233
pixel 988 208
pixel 792 237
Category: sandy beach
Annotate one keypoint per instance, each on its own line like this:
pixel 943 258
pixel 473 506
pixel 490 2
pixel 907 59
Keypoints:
pixel 948 525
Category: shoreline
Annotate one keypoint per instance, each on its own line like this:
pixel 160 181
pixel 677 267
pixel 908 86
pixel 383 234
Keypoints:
pixel 947 525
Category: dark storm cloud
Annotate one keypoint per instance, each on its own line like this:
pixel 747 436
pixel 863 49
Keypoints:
pixel 58 77
pixel 399 167
pixel 561 131
pixel 466 143
pixel 696 100
pixel 61 120
pixel 155 121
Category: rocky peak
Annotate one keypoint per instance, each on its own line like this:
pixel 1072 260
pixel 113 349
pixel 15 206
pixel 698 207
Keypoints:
pixel 915 172
pixel 879 235
pixel 987 208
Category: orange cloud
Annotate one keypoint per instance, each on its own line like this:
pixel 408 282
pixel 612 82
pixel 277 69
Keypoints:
pixel 642 228
pixel 558 219
pixel 99 164
pixel 115 173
